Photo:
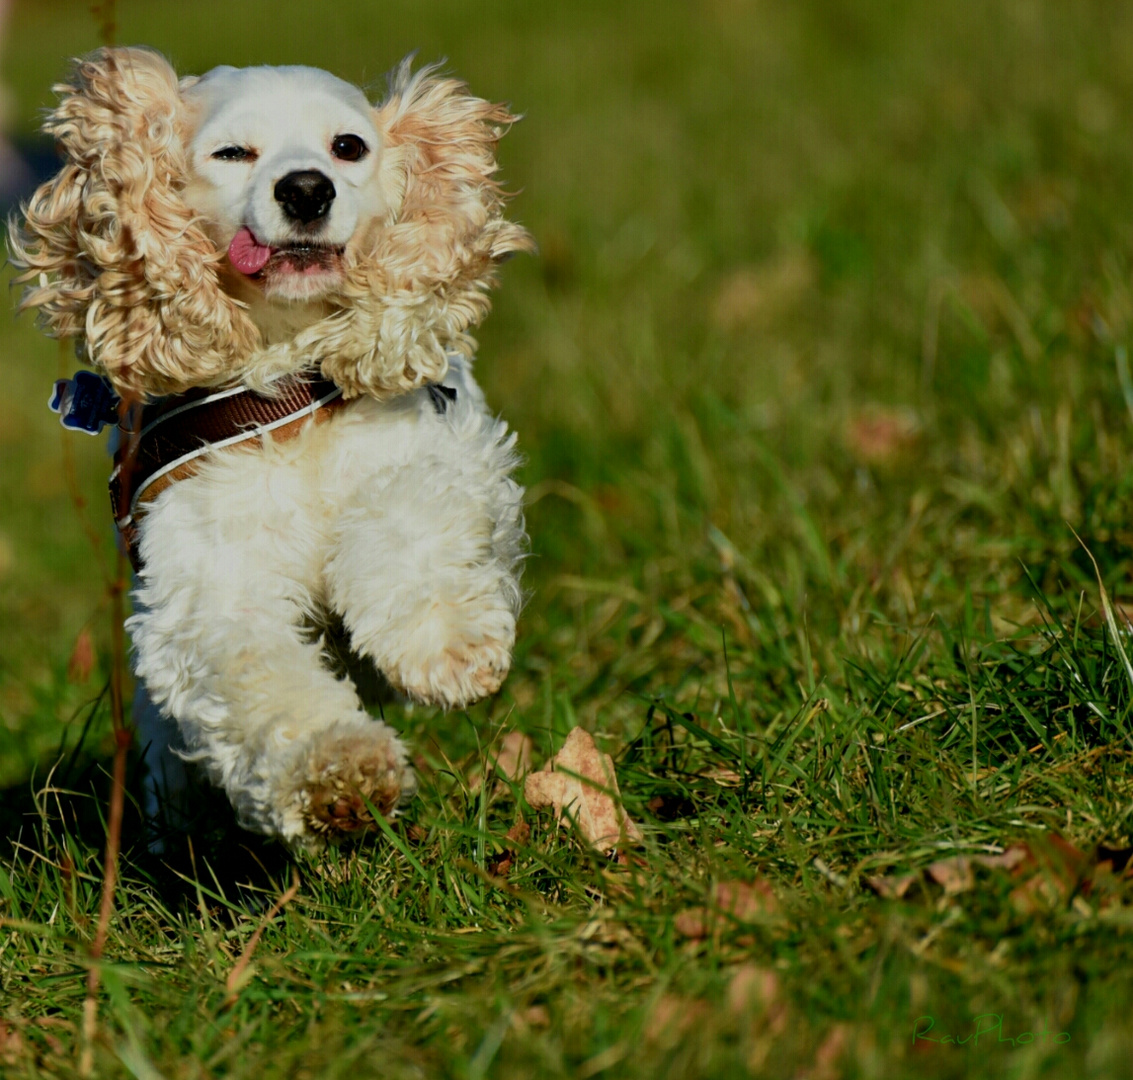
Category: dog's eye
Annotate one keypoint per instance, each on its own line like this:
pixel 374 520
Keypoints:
pixel 234 153
pixel 349 148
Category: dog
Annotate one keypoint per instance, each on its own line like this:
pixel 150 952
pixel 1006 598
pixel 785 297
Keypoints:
pixel 250 235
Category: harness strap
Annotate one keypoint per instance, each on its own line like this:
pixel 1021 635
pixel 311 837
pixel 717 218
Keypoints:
pixel 165 440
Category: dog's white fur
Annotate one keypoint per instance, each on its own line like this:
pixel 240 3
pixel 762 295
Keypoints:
pixel 402 520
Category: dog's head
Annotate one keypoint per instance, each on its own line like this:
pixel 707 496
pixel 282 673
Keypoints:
pixel 285 169
pixel 262 220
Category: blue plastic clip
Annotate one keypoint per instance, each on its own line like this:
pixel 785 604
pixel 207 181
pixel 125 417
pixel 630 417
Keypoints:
pixel 85 403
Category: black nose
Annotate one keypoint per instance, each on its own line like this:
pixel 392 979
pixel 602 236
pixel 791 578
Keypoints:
pixel 305 195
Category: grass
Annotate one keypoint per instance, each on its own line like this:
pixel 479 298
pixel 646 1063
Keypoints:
pixel 821 375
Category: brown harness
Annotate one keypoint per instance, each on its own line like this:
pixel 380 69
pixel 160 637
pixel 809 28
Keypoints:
pixel 165 441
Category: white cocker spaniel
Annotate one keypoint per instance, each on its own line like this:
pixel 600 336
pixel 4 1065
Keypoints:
pixel 278 279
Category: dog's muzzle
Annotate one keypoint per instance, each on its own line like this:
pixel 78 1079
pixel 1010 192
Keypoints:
pixel 305 195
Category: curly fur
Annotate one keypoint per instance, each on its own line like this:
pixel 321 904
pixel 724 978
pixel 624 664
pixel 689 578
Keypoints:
pixel 113 255
pixel 395 520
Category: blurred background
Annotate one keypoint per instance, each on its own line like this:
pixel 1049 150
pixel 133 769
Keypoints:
pixel 826 333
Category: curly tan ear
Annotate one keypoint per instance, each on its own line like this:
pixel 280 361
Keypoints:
pixel 419 281
pixel 109 248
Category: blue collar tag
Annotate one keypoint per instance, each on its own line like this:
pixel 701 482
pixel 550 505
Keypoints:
pixel 85 403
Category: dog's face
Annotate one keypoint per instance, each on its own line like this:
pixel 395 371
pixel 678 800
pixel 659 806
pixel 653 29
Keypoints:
pixel 259 221
pixel 285 175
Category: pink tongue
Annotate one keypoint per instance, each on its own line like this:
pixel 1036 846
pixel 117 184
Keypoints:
pixel 248 256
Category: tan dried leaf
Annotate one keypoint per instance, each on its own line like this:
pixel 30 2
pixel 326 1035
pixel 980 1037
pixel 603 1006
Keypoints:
pixel 671 1017
pixel 829 1051
pixel 692 923
pixel 878 436
pixel 955 874
pixel 745 901
pixel 579 784
pixel 11 1044
pixel 514 758
pixel 892 888
pixel 723 777
pixel 535 1016
pixel 752 988
pixel 519 833
pixel 1007 860
pixel 1056 869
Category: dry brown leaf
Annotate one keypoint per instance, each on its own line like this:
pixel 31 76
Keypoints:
pixel 829 1051
pixel 879 436
pixel 1059 869
pixel 514 758
pixel 723 777
pixel 745 901
pixel 752 987
pixel 1049 869
pixel 579 784
pixel 11 1044
pixel 519 833
pixel 517 836
pixel 731 901
pixel 692 923
pixel 892 888
pixel 672 1016
pixel 955 874
pixel 535 1016
pixel 1007 860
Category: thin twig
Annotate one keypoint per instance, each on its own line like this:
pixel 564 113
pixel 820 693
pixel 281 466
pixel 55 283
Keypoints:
pixel 123 737
pixel 232 983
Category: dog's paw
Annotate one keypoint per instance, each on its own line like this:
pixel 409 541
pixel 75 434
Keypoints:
pixel 462 673
pixel 347 774
pixel 456 654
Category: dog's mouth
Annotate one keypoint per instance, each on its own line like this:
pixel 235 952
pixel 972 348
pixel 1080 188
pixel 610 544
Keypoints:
pixel 256 260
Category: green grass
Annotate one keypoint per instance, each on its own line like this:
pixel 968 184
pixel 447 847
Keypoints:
pixel 819 379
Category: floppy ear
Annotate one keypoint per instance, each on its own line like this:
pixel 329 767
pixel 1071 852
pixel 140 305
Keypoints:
pixel 420 281
pixel 108 247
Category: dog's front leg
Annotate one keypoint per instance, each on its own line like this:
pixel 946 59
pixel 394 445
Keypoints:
pixel 220 645
pixel 424 563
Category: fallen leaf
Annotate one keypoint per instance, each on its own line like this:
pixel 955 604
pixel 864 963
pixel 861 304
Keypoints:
pixel 752 987
pixel 731 901
pixel 580 785
pixel 11 1044
pixel 955 874
pixel 535 1016
pixel 829 1051
pixel 519 833
pixel 745 901
pixel 892 888
pixel 1007 860
pixel 1059 870
pixel 1049 869
pixel 514 758
pixel 671 1017
pixel 879 436
pixel 723 777
pixel 692 923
